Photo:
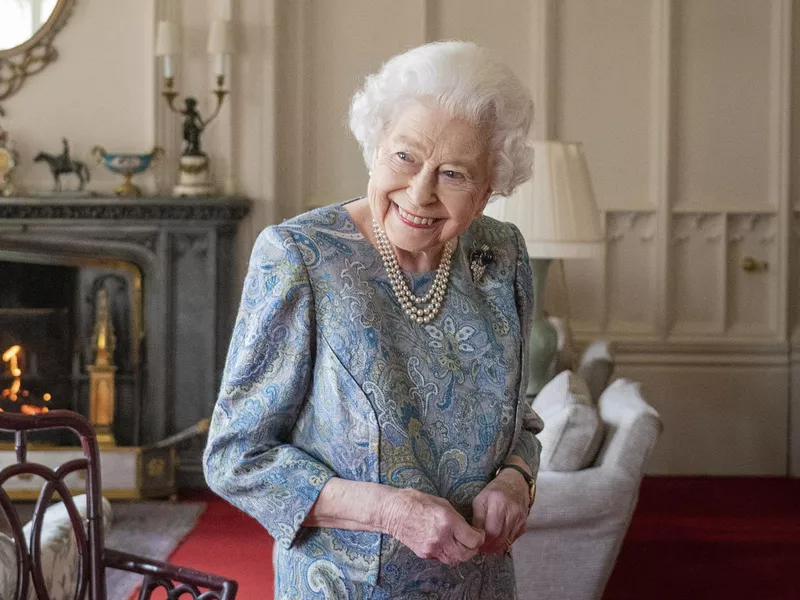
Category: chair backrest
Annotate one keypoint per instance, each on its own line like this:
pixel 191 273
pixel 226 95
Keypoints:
pixel 89 540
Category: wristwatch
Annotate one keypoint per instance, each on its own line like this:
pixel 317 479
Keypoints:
pixel 528 480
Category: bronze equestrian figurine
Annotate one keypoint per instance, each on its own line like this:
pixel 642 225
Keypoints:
pixel 63 164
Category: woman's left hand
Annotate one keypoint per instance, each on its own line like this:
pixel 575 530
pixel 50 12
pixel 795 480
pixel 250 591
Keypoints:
pixel 501 511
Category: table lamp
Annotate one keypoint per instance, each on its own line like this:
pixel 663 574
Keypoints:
pixel 559 220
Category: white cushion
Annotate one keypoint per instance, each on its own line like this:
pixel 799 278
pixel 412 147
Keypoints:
pixel 59 552
pixel 573 430
pixel 8 567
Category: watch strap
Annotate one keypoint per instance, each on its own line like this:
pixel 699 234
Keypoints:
pixel 528 480
pixel 520 470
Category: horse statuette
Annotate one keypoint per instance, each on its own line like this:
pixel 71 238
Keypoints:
pixel 62 165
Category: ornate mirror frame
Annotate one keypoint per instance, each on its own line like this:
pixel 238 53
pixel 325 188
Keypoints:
pixel 20 62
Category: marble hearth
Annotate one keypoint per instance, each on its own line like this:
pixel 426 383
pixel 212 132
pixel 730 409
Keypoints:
pixel 169 265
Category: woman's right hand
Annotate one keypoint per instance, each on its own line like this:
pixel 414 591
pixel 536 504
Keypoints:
pixel 431 527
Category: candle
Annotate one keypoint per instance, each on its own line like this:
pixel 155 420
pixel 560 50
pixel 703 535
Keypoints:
pixel 167 45
pixel 219 64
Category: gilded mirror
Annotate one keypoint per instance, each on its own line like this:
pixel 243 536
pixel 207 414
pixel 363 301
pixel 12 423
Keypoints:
pixel 27 31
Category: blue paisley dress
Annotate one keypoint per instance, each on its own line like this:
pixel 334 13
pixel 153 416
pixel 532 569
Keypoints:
pixel 327 377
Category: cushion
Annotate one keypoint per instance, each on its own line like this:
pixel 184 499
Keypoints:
pixel 59 552
pixel 596 367
pixel 632 426
pixel 573 430
pixel 8 567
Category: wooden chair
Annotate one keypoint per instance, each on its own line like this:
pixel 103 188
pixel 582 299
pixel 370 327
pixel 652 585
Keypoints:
pixel 94 558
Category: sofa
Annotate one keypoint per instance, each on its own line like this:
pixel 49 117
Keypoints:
pixel 583 509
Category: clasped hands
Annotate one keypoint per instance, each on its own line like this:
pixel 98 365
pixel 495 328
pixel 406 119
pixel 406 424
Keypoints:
pixel 432 528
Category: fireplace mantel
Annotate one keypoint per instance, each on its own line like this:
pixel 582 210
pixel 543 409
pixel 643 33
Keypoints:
pixel 185 249
pixel 231 208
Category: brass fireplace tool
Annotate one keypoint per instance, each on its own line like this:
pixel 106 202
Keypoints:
pixel 102 372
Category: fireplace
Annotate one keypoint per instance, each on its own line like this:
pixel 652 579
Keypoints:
pixel 49 314
pixel 125 303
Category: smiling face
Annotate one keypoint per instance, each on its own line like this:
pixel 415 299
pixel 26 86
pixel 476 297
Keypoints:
pixel 430 179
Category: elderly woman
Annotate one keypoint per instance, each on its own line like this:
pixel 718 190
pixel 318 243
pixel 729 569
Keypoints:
pixel 372 414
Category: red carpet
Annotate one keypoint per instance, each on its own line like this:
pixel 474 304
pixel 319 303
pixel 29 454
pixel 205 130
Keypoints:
pixel 690 539
pixel 229 543
pixel 711 538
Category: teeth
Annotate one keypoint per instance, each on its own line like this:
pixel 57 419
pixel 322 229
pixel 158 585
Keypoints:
pixel 414 219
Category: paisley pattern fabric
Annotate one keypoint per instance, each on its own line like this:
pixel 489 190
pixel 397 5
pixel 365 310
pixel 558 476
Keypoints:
pixel 327 377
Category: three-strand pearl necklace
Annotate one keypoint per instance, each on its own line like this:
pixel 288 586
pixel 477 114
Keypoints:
pixel 411 303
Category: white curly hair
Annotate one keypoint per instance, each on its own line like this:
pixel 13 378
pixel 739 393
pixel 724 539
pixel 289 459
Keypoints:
pixel 463 79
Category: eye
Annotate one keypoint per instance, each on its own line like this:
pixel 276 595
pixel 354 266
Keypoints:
pixel 404 156
pixel 454 175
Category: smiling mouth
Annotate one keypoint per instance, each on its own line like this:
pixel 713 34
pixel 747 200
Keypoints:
pixel 414 220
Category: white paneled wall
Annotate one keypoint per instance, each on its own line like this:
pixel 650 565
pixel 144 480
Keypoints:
pixel 98 92
pixel 632 272
pixel 698 280
pixel 603 72
pixel 722 103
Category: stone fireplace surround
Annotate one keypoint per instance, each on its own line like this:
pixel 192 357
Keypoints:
pixel 185 250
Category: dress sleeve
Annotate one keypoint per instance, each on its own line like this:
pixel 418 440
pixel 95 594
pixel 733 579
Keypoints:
pixel 248 459
pixel 528 446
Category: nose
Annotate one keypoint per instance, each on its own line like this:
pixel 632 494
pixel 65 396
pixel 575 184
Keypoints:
pixel 422 188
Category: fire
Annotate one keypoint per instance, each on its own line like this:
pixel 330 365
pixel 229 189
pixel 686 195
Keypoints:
pixel 15 391
pixel 10 356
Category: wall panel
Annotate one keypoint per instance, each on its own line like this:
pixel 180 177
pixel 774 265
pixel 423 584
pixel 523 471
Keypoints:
pixel 753 293
pixel 343 47
pixel 632 273
pixel 697 279
pixel 504 26
pixel 722 103
pixel 602 96
pixel 718 420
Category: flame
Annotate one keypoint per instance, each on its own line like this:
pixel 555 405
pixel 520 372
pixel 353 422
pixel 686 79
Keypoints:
pixel 11 352
pixel 11 356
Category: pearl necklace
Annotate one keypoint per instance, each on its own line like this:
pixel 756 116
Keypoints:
pixel 407 300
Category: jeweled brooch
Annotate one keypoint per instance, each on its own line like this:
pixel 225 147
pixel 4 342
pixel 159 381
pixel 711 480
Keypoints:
pixel 478 261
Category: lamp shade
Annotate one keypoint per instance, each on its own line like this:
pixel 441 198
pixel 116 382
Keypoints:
pixel 560 219
pixel 220 37
pixel 168 39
